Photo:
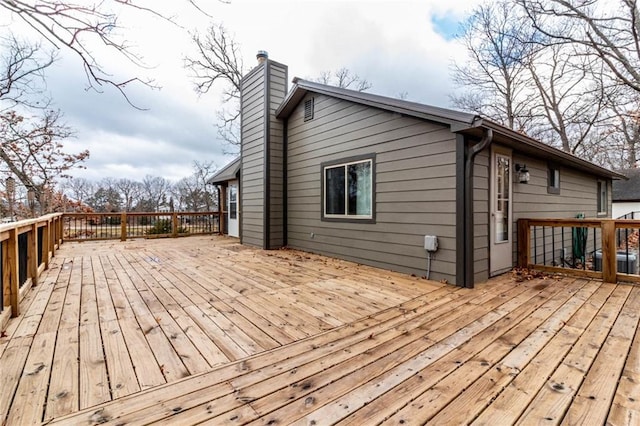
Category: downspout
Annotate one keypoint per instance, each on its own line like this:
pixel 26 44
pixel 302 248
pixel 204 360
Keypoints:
pixel 471 153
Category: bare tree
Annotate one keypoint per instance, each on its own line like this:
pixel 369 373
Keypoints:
pixel 79 189
pixel 130 191
pixel 155 190
pixel 203 171
pixel 344 79
pixel 74 27
pixel 22 69
pixel 570 96
pixel 495 76
pixel 192 192
pixel 609 31
pixel 621 131
pixel 33 150
pixel 219 61
pixel 106 197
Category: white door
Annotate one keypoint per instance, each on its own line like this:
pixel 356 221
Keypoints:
pixel 232 209
pixel 501 223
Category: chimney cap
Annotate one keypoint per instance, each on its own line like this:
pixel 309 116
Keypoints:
pixel 262 56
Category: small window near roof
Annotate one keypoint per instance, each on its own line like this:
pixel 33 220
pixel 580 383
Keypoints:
pixel 602 197
pixel 308 109
pixel 553 179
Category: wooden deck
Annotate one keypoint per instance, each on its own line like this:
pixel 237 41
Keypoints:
pixel 202 329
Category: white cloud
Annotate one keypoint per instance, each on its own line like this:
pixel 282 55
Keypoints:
pixel 391 43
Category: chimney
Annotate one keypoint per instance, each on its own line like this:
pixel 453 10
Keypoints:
pixel 262 56
pixel 262 170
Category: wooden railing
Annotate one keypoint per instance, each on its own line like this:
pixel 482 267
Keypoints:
pixel 122 226
pixel 26 247
pixel 600 248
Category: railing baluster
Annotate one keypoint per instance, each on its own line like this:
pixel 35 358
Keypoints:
pixel 535 245
pixel 553 246
pixel 544 246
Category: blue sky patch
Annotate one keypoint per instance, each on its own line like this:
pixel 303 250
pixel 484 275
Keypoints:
pixel 446 25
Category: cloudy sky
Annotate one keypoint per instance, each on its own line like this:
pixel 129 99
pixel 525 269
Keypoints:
pixel 399 46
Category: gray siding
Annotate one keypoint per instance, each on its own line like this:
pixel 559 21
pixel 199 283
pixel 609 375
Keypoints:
pixel 252 170
pixel 263 90
pixel 414 182
pixel 277 93
pixel 578 192
pixel 481 217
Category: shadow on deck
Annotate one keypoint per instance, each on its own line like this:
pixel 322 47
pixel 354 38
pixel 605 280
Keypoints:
pixel 203 329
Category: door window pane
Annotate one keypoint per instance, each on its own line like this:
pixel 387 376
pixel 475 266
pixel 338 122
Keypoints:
pixel 502 183
pixel 233 202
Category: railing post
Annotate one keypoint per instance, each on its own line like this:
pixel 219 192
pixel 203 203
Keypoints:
pixel 59 231
pixel 222 208
pixel 524 243
pixel 609 255
pixel 123 226
pixel 32 254
pixel 10 269
pixel 174 225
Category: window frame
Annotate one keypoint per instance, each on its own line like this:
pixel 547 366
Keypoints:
pixel 552 169
pixel 600 203
pixel 346 217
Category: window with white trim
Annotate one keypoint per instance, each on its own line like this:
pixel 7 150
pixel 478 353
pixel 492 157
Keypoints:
pixel 348 190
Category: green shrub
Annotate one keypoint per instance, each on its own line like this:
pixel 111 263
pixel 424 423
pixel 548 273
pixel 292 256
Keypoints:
pixel 163 226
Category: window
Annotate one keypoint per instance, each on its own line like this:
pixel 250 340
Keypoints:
pixel 602 197
pixel 308 109
pixel 348 189
pixel 233 202
pixel 553 179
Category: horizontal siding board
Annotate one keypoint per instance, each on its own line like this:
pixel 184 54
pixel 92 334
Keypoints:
pixel 415 186
pixel 403 263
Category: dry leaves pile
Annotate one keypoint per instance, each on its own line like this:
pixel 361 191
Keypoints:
pixel 525 274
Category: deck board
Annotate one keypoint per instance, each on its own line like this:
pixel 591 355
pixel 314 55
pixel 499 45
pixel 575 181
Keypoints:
pixel 202 329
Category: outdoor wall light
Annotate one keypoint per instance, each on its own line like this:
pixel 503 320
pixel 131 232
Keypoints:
pixel 522 173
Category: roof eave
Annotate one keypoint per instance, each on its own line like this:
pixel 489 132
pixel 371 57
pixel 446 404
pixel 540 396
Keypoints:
pixel 301 88
pixel 227 173
pixel 540 146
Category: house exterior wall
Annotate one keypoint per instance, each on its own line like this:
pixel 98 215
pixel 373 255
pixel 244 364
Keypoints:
pixel 415 186
pixel 620 208
pixel 578 194
pixel 262 172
